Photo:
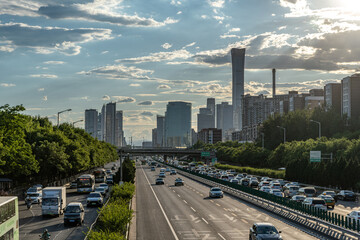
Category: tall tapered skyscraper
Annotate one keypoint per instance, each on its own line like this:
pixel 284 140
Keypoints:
pixel 238 65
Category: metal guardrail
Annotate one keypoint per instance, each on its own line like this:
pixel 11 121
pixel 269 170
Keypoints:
pixel 329 224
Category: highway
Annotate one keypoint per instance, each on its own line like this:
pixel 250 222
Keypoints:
pixel 186 212
pixel 32 224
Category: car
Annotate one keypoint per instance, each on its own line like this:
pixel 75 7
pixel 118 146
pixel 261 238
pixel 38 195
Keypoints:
pixel 265 189
pixel 108 171
pixel 354 215
pixel 38 186
pixel 173 172
pixel 152 168
pixel 291 191
pixel 167 170
pixel 74 213
pixel 346 195
pixel 179 182
pixel 281 181
pixel 275 185
pixel 35 197
pixel 315 202
pixel 162 170
pixel 73 184
pixel 224 177
pixel 162 175
pixel 109 180
pixel 230 176
pixel 263 183
pixel 216 192
pixel 33 190
pixel 264 231
pixel 245 181
pixel 100 190
pixel 330 193
pixel 159 181
pixel 104 185
pixel 277 192
pixel 329 200
pixel 113 168
pixel 254 182
pixel 158 165
pixel 235 180
pixel 307 191
pixel 298 198
pixel 94 199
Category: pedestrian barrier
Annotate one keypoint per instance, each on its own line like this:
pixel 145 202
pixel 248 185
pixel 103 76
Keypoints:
pixel 331 224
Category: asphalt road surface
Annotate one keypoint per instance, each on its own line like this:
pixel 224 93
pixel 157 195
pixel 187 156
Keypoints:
pixel 32 224
pixel 186 212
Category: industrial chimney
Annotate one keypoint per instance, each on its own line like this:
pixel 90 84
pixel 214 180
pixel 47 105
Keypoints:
pixel 273 81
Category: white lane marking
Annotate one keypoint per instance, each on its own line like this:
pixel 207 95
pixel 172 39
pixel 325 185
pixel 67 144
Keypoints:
pixel 212 201
pixel 57 235
pixel 162 209
pixel 234 214
pixel 218 205
pixel 221 236
pixel 205 220
pixel 193 209
pixel 173 190
pixel 185 201
pixel 179 195
pixel 244 221
pixel 195 233
pixel 230 218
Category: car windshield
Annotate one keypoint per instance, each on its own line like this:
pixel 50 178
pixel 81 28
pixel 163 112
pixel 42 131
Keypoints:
pixel 348 192
pixel 159 179
pixel 266 230
pixel 32 189
pixel 216 189
pixel 99 189
pixel 73 209
pixel 309 190
pixel 103 185
pixel 33 194
pixel 94 195
pixel 50 202
pixel 318 201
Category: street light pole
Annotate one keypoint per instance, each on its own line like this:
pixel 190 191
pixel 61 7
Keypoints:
pixel 58 115
pixel 81 120
pixel 284 132
pixel 319 126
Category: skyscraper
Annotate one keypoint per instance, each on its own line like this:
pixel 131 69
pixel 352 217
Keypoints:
pixel 103 123
pixel 178 124
pixel 204 119
pixel 119 131
pixel 210 104
pixel 350 97
pixel 238 65
pixel 160 132
pixel 224 117
pixel 91 122
pixel 332 97
pixel 110 123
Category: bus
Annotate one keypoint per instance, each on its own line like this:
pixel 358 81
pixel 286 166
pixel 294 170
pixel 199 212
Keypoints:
pixel 100 175
pixel 9 218
pixel 85 183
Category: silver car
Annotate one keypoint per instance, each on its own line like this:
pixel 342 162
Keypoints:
pixel 74 213
pixel 216 192
pixel 94 199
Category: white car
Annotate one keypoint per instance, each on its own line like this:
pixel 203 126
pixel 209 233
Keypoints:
pixel 104 185
pixel 100 190
pixel 315 202
pixel 275 185
pixel 35 197
pixel 216 192
pixel 94 199
pixel 234 180
pixel 265 189
pixel 277 192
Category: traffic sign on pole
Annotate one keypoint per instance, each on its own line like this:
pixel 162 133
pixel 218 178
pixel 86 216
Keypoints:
pixel 205 154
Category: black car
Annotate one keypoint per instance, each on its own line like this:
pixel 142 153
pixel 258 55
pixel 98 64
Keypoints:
pixel 264 231
pixel 159 181
pixel 346 195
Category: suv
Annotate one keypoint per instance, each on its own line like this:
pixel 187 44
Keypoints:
pixel 291 191
pixel 346 195
pixel 264 231
pixel 307 191
pixel 74 213
pixel 95 198
pixel 315 202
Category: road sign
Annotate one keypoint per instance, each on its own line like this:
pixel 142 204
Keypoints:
pixel 315 156
pixel 205 154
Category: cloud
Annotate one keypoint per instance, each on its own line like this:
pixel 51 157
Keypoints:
pixel 119 72
pixel 41 89
pixel 45 98
pixel 175 3
pixel 234 30
pixel 229 36
pixel 122 99
pixel 89 13
pixel 104 52
pixel 163 87
pixel 54 62
pixel 166 45
pixel 7 85
pixel 189 45
pixel 146 103
pixel 46 40
pixel 43 76
pixel 179 12
pixel 106 98
pixel 158 57
pixel 146 95
pixel 135 85
pixel 148 114
pixel 216 3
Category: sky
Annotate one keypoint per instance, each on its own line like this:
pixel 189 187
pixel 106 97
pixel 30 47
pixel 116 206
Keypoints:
pixel 81 54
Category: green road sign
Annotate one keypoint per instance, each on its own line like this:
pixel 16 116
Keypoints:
pixel 205 154
pixel 315 156
pixel 214 160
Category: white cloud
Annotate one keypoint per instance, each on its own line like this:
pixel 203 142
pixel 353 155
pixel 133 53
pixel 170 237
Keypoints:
pixel 104 52
pixel 163 87
pixel 166 45
pixel 146 95
pixel 54 62
pixel 175 3
pixel 204 17
pixel 135 85
pixel 106 98
pixel 158 57
pixel 41 89
pixel 234 30
pixel 189 45
pixel 7 85
pixel 43 76
pixel 229 36
pixel 122 99
pixel 216 3
pixel 179 12
pixel 45 98
pixel 119 72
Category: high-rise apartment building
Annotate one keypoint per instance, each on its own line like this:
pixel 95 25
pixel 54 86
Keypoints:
pixel 224 117
pixel 91 122
pixel 210 135
pixel 103 123
pixel 119 131
pixel 160 132
pixel 210 104
pixel 154 138
pixel 205 119
pixel 110 123
pixel 178 124
pixel 332 97
pixel 256 109
pixel 350 97
pixel 238 65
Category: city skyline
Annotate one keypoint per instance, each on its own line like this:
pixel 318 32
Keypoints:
pixel 142 55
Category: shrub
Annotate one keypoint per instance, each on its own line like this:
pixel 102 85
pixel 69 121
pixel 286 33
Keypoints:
pixel 255 171
pixel 105 235
pixel 124 191
pixel 115 216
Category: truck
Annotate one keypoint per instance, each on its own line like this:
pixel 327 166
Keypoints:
pixel 53 201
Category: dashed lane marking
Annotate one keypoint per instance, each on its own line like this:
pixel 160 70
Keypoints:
pixel 222 237
pixel 185 201
pixel 193 209
pixel 179 195
pixel 205 220
pixel 217 204
pixel 234 214
pixel 244 221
